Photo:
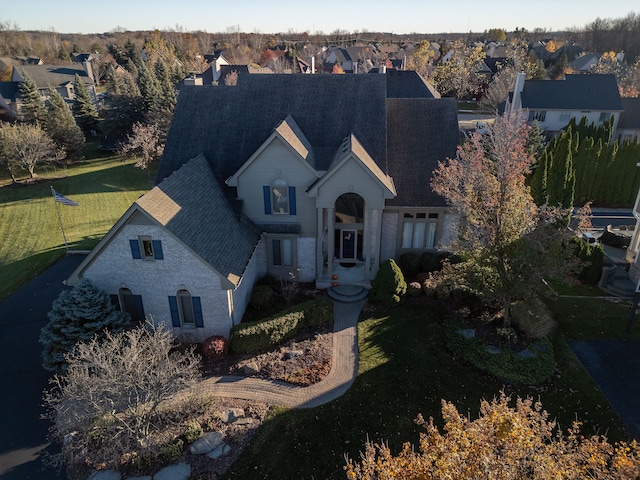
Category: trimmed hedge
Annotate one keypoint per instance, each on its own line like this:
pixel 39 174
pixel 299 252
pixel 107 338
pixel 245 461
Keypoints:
pixel 253 337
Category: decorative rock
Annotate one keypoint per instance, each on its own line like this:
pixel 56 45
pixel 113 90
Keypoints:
pixel 180 471
pixel 231 415
pixel 219 452
pixel 244 421
pixel 293 354
pixel 526 354
pixel 493 350
pixel 105 475
pixel 251 368
pixel 467 333
pixel 207 443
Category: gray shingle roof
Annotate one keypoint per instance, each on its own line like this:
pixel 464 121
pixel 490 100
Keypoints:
pixel 630 118
pixel 228 124
pixel 193 206
pixel 408 84
pixel 421 132
pixel 575 92
pixel 55 75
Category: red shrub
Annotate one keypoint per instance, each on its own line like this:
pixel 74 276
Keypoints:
pixel 214 347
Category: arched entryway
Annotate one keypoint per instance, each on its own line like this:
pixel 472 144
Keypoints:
pixel 349 229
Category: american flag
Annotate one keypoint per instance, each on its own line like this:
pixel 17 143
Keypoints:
pixel 64 200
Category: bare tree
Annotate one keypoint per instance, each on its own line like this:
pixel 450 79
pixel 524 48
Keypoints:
pixel 27 146
pixel 110 401
pixel 146 142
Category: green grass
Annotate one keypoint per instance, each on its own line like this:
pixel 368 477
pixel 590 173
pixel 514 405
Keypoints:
pixel 104 186
pixel 406 369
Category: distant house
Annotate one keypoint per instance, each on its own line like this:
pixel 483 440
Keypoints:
pixel 59 77
pixel 553 103
pixel 9 95
pixel 321 176
pixel 629 123
pixel 585 63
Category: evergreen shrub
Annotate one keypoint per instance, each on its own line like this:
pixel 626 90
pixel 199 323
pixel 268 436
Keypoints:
pixel 389 285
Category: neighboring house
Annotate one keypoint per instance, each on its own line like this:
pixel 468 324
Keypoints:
pixel 320 176
pixel 629 123
pixel 585 63
pixel 9 94
pixel 59 77
pixel 553 103
pixel 216 60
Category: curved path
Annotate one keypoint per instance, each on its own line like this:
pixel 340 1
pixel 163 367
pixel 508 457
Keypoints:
pixel 344 368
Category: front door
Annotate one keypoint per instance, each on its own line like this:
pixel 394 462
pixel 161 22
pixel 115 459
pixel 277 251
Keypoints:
pixel 348 243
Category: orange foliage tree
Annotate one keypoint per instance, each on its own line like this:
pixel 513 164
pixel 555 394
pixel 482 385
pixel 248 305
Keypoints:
pixel 506 443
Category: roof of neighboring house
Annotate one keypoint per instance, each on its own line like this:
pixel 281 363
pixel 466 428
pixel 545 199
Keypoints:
pixel 192 205
pixel 46 76
pixel 630 117
pixel 584 62
pixel 408 84
pixel 495 63
pixel 421 132
pixel 575 92
pixel 10 91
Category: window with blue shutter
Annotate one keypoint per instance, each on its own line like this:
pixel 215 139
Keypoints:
pixel 266 193
pixel 292 200
pixel 135 249
pixel 115 301
pixel 175 313
pixel 157 250
pixel 197 312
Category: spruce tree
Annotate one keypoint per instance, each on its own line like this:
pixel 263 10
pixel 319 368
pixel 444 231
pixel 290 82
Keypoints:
pixel 62 127
pixel 168 99
pixel 77 315
pixel 84 109
pixel 32 106
pixel 389 286
pixel 150 90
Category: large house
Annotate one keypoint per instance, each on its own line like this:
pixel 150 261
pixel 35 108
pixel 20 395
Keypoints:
pixel 319 176
pixel 553 103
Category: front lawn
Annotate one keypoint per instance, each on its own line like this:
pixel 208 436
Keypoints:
pixel 104 187
pixel 405 368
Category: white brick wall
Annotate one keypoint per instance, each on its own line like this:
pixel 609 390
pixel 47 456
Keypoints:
pixel 388 242
pixel 306 248
pixel 156 280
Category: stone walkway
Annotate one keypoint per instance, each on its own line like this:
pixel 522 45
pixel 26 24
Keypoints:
pixel 344 368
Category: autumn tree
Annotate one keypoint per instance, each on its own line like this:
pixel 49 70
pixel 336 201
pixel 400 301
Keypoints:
pixel 501 231
pixel 84 109
pixel 457 77
pixel 26 146
pixel 507 442
pixel 111 405
pixel 423 58
pixel 62 127
pixel 496 35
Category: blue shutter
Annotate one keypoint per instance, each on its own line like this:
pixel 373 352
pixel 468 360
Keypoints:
pixel 292 200
pixel 266 193
pixel 157 250
pixel 115 301
pixel 135 249
pixel 175 315
pixel 139 313
pixel 197 312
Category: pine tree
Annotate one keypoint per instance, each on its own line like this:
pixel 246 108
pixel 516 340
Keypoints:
pixel 168 99
pixel 150 90
pixel 62 127
pixel 84 109
pixel 33 108
pixel 77 315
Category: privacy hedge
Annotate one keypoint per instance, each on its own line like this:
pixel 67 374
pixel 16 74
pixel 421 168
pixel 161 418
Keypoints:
pixel 252 337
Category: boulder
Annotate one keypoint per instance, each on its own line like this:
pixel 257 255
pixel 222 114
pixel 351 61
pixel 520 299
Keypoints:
pixel 179 471
pixel 231 415
pixel 467 333
pixel 251 368
pixel 205 444
pixel 219 452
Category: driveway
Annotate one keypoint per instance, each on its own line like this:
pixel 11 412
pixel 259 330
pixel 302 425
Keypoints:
pixel 23 435
pixel 614 366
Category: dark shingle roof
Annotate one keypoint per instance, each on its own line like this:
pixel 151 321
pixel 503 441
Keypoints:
pixel 46 76
pixel 630 118
pixel 228 124
pixel 192 205
pixel 575 92
pixel 408 84
pixel 421 132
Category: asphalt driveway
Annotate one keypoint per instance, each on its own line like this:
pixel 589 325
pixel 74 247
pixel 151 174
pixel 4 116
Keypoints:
pixel 23 435
pixel 615 366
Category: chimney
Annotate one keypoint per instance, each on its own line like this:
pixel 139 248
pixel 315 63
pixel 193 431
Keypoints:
pixel 193 80
pixel 516 101
pixel 382 69
pixel 313 65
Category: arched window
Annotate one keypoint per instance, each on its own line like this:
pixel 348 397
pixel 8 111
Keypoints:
pixel 185 305
pixel 132 304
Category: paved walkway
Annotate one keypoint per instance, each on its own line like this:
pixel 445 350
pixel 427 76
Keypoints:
pixel 344 368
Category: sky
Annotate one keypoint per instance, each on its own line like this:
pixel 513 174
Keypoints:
pixel 273 16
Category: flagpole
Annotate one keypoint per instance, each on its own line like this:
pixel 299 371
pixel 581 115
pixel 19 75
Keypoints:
pixel 64 237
